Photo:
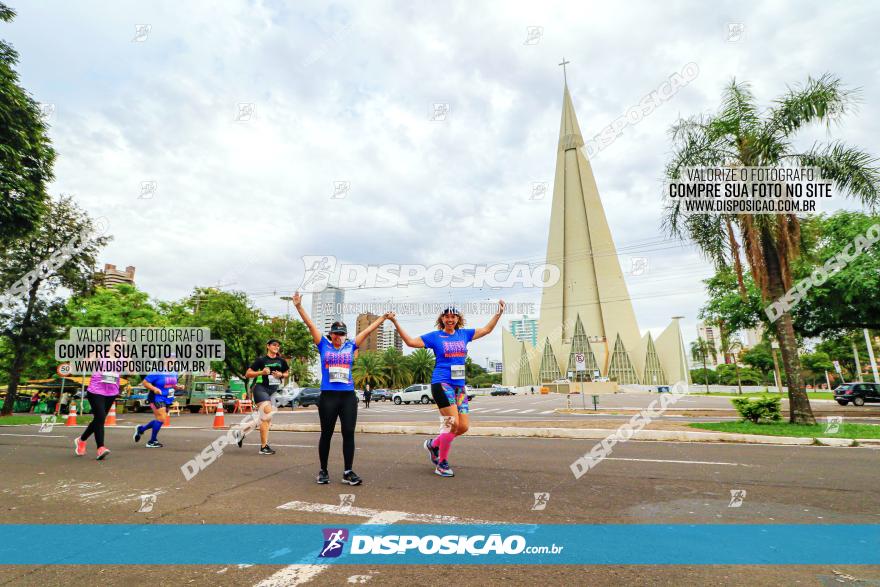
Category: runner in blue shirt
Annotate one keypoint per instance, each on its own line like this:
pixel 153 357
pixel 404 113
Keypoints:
pixel 338 400
pixel 449 343
pixel 161 386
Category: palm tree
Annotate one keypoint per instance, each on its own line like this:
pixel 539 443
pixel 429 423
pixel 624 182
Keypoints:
pixel 396 370
pixel 700 350
pixel 368 369
pixel 742 135
pixel 421 365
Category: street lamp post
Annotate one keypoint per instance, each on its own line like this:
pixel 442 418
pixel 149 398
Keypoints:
pixel 775 345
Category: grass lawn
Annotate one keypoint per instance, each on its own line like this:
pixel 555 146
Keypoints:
pixel 797 430
pixel 811 394
pixel 35 419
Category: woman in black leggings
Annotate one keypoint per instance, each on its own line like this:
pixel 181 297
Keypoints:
pixel 338 400
pixel 103 391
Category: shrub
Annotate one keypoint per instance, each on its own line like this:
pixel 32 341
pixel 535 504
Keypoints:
pixel 756 410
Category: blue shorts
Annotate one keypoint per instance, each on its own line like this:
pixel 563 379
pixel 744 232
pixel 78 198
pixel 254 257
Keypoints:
pixel 446 395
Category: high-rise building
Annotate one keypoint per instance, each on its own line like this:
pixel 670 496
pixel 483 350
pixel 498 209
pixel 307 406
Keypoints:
pixel 389 337
pixel 371 343
pixel 752 337
pixel 495 367
pixel 525 330
pixel 111 276
pixel 327 307
pixel 588 311
pixel 712 335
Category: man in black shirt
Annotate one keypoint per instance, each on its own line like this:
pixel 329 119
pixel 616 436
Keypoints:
pixel 270 372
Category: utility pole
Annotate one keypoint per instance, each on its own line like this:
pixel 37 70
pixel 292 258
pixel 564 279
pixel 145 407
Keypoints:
pixel 858 365
pixel 773 347
pixel 871 356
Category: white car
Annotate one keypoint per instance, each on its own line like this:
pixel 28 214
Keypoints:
pixel 419 393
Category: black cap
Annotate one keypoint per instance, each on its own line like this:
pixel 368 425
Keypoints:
pixel 338 328
pixel 272 340
pixel 451 310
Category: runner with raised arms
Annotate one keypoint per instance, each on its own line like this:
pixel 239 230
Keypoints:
pixel 449 343
pixel 338 400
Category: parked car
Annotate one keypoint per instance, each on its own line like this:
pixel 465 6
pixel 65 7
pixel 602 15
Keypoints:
pixel 502 391
pixel 414 394
pixel 857 393
pixel 308 396
pixel 287 395
pixel 381 395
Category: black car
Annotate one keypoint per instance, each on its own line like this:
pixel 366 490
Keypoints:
pixel 501 391
pixel 307 397
pixel 857 393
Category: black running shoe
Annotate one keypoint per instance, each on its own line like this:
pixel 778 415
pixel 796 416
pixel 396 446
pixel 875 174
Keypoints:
pixel 351 478
pixel 323 478
pixel 137 434
pixel 154 444
pixel 240 439
pixel 267 450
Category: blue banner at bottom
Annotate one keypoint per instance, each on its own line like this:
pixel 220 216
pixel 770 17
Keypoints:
pixel 575 544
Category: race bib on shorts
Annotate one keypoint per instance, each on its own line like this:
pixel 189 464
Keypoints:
pixel 457 371
pixel 110 378
pixel 339 374
pixel 274 381
pixel 171 393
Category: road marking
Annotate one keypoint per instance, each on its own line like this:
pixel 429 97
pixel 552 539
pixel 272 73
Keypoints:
pixel 286 445
pixel 297 574
pixel 40 435
pixel 680 462
pixel 507 411
pixel 526 411
pixel 548 412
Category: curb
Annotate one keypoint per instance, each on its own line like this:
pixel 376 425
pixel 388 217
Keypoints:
pixel 597 434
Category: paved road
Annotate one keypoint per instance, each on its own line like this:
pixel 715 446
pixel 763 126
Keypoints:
pixel 496 479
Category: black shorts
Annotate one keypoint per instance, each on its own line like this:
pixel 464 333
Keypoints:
pixel 263 393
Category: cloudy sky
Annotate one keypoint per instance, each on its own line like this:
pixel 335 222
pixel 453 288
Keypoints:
pixel 245 116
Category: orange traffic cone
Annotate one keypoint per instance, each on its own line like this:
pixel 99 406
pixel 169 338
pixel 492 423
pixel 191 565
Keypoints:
pixel 71 415
pixel 167 416
pixel 111 417
pixel 219 421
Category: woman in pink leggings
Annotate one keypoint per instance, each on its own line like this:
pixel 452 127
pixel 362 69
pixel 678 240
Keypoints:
pixel 449 343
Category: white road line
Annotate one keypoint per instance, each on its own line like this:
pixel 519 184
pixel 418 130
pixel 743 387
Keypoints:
pixel 293 575
pixel 507 411
pixel 289 445
pixel 40 435
pixel 548 412
pixel 680 462
pixel 526 411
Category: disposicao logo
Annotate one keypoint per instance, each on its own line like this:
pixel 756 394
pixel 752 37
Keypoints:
pixel 334 540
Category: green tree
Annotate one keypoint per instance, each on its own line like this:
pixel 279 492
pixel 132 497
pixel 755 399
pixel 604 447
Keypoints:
pixel 815 365
pixel 369 369
pixel 759 357
pixel 742 134
pixel 231 317
pixel 397 372
pixel 61 252
pixel 421 365
pixel 26 156
pixel 701 350
pixel 120 306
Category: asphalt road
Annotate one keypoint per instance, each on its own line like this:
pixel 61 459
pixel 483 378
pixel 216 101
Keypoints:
pixel 496 479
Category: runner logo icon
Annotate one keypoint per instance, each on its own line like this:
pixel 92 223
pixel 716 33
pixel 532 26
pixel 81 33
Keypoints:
pixel 334 540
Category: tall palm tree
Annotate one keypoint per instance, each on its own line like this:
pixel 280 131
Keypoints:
pixel 396 369
pixel 368 369
pixel 740 134
pixel 700 351
pixel 421 365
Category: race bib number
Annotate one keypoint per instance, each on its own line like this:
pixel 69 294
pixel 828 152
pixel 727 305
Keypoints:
pixel 171 393
pixel 274 381
pixel 110 378
pixel 339 374
pixel 457 371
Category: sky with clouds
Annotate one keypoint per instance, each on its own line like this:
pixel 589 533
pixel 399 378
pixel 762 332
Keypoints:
pixel 245 115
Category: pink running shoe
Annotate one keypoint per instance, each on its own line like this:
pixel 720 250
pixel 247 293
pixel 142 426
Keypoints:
pixel 79 447
pixel 102 452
